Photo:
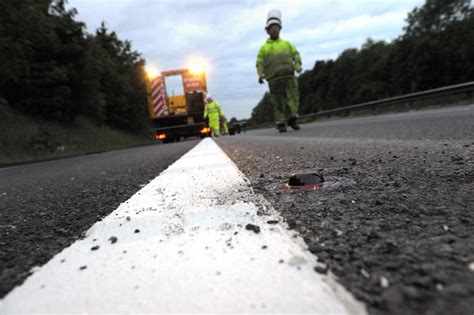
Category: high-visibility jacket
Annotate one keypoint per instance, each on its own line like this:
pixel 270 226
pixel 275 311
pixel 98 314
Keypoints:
pixel 277 59
pixel 213 110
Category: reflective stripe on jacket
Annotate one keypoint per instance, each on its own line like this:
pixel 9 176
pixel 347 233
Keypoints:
pixel 277 59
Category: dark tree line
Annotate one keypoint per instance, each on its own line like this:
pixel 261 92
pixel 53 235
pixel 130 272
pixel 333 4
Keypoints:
pixel 436 49
pixel 51 69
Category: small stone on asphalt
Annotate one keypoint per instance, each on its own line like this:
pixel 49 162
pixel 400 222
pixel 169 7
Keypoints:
pixel 321 269
pixel 471 266
pixel 252 227
pixel 365 273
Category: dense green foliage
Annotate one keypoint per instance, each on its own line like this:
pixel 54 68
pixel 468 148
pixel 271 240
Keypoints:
pixel 436 49
pixel 51 69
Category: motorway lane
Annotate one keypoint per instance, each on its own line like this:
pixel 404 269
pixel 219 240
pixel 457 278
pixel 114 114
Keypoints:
pixel 44 207
pixel 185 243
pixel 402 238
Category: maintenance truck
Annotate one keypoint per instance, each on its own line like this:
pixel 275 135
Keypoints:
pixel 178 116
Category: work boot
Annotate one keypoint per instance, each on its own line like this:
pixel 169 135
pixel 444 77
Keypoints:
pixel 293 123
pixel 281 127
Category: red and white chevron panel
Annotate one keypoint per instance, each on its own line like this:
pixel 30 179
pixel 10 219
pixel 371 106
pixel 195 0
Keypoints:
pixel 158 97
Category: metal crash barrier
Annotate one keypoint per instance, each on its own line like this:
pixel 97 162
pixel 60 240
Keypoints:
pixel 462 88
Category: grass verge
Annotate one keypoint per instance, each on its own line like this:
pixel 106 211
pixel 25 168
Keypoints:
pixel 24 139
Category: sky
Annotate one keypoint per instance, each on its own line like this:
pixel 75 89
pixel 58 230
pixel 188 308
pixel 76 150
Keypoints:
pixel 227 34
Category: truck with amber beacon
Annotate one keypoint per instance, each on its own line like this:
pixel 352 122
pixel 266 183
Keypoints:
pixel 175 117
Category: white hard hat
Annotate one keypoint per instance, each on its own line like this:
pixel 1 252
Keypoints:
pixel 273 17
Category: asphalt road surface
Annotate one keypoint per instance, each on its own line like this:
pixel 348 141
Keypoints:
pixel 399 234
pixel 451 123
pixel 401 237
pixel 45 207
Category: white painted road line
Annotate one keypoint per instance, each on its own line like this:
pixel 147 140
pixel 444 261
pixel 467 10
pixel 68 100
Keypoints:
pixel 181 246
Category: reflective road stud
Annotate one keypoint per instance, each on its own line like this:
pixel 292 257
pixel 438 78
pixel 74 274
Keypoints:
pixel 306 180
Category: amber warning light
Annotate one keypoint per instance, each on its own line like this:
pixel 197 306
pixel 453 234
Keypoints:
pixel 205 130
pixel 160 137
pixel 197 66
pixel 152 72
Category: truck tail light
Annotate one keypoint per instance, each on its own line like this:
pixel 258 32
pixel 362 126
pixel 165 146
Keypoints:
pixel 205 130
pixel 161 136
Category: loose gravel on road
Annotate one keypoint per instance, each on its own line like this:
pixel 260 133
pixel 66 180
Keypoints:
pixel 45 207
pixel 402 238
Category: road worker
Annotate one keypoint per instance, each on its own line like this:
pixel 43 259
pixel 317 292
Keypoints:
pixel 277 62
pixel 213 113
